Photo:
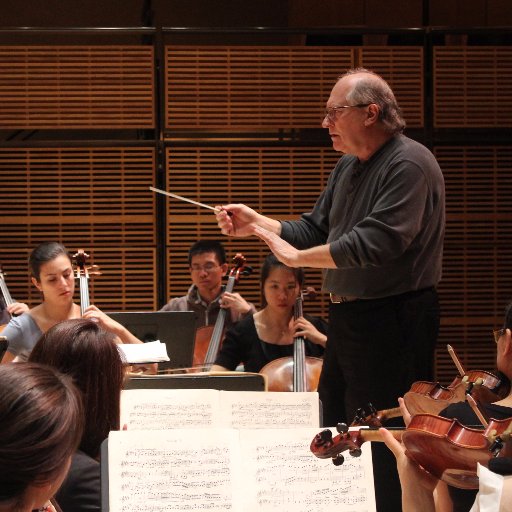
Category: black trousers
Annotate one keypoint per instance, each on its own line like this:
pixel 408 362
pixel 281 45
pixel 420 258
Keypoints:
pixel 375 350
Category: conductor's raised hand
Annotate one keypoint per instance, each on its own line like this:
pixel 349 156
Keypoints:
pixel 236 219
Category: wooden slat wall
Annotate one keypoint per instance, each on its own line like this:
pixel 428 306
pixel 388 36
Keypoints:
pixel 96 199
pixel 477 268
pixel 403 70
pixel 76 87
pixel 281 182
pixel 267 87
pixel 472 87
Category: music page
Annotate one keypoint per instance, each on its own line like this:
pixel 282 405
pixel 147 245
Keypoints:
pixel 150 409
pixel 261 470
pixel 198 408
pixel 253 409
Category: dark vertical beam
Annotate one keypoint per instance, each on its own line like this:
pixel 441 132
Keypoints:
pixel 160 171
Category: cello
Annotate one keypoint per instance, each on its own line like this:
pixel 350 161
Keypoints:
pixel 82 273
pixel 298 373
pixel 208 341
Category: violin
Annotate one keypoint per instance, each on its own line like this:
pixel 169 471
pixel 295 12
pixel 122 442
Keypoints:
pixel 82 273
pixel 298 373
pixel 432 397
pixel 443 447
pixel 208 341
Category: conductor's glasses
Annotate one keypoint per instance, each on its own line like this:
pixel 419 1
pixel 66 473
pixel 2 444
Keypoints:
pixel 330 113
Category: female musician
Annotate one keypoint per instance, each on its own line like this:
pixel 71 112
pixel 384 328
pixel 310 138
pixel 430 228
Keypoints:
pixel 459 499
pixel 83 350
pixel 41 420
pixel 268 334
pixel 52 274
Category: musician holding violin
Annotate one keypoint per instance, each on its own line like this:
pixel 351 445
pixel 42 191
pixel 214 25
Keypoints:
pixel 415 485
pixel 206 296
pixel 52 273
pixel 268 334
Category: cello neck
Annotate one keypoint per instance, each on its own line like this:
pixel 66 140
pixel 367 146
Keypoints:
pixel 299 353
pixel 84 293
pixel 82 274
pixel 214 345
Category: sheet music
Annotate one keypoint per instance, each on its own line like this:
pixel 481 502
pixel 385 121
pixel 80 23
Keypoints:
pixel 285 476
pixel 150 352
pixel 258 470
pixel 197 408
pixel 253 409
pixel 172 470
pixel 148 409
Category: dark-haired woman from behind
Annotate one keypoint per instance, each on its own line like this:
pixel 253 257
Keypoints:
pixel 87 353
pixel 41 421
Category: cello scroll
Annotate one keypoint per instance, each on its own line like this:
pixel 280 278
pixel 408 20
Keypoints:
pixel 82 273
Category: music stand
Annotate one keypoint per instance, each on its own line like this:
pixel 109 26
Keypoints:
pixel 224 381
pixel 177 329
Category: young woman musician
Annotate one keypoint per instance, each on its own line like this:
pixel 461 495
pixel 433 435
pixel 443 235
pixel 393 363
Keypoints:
pixel 41 420
pixel 52 274
pixel 88 354
pixel 268 334
pixel 414 484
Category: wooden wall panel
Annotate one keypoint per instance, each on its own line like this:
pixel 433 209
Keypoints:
pixel 96 199
pixel 281 182
pixel 402 68
pixel 245 87
pixel 76 87
pixel 264 88
pixel 472 87
pixel 477 267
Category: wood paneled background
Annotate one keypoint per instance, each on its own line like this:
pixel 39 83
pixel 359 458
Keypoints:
pixel 87 128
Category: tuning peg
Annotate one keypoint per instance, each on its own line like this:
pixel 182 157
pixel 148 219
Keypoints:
pixel 342 428
pixel 338 460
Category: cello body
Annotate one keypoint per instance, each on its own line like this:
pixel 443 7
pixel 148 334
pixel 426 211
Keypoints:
pixel 298 373
pixel 279 373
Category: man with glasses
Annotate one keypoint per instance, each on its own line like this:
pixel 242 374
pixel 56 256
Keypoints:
pixel 377 229
pixel 207 262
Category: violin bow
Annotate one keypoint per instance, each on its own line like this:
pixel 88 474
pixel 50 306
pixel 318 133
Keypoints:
pixel 476 409
pixel 456 361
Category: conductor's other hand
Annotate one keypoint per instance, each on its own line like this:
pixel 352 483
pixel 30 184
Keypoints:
pixel 240 221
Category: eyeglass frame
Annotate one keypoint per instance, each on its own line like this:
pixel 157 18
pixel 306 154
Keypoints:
pixel 330 112
pixel 208 268
pixel 498 333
